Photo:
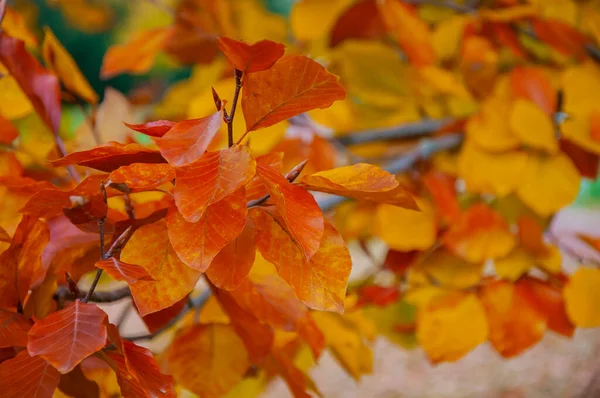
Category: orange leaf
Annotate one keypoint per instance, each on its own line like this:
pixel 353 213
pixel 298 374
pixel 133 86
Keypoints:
pixel 362 20
pixel 150 248
pixel 300 212
pixel 26 376
pixel 481 233
pixel 210 179
pixel 13 329
pixel 80 330
pixel 295 379
pixel 531 235
pixel 533 84
pixel 251 58
pixel 111 156
pixel 135 56
pixel 230 267
pixel 139 177
pixel 295 84
pixel 198 243
pixel 442 189
pixel 255 189
pixel 550 301
pixel 410 31
pixel 187 140
pixel 595 125
pixel 377 295
pixel 122 271
pixel 360 181
pixel 319 282
pixel 40 86
pixel 561 37
pixel 157 128
pixel 8 132
pixel 516 322
pixel 21 267
pixel 219 357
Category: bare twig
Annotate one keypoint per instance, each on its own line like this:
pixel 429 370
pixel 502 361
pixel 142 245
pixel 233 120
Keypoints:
pixel 63 293
pixel 238 87
pixel 101 223
pixel 447 4
pixel 195 303
pixel 407 130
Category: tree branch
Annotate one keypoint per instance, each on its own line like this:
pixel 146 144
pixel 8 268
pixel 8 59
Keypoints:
pixel 408 130
pixel 101 223
pixel 238 87
pixel 97 297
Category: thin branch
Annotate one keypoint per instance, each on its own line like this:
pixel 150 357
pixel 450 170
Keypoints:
pixel 238 87
pixel 118 244
pixel 101 223
pixel 2 12
pixel 424 150
pixel 407 130
pixel 195 303
pixel 63 293
pixel 290 176
pixel 447 4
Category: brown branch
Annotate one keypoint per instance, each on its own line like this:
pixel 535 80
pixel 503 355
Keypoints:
pixel 97 297
pixel 238 87
pixel 101 223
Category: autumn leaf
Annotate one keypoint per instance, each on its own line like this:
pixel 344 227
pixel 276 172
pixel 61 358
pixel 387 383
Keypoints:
pixel 8 132
pixel 300 212
pixel 451 326
pixel 360 181
pixel 186 141
pixel 532 84
pixel 532 126
pixel 295 84
pixel 516 322
pixel 149 247
pixel 197 244
pixel 328 268
pixel 362 20
pixel 111 156
pixel 442 189
pixel 549 299
pixel 135 56
pixel 517 263
pixel 26 376
pixel 40 86
pixel 122 271
pixel 219 354
pixel 232 264
pixel 560 36
pixel 580 294
pixel 449 270
pixel 156 128
pixel 210 179
pixel 62 64
pixel 138 177
pixel 81 329
pixel 419 227
pixel 251 58
pixel 13 329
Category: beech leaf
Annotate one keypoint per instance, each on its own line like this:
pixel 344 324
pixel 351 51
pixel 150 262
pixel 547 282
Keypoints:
pixel 248 58
pixel 123 271
pixel 26 376
pixel 141 176
pixel 13 329
pixel 157 128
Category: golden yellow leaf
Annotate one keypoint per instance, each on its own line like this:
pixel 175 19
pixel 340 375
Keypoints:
pixel 550 261
pixel 59 61
pixel 490 129
pixel 533 126
pixel 271 26
pixel 447 35
pixel 582 295
pixel 451 271
pixel 404 229
pixel 15 103
pixel 314 19
pixel 562 10
pixel 339 116
pixel 451 326
pixel 496 173
pixel 16 26
pixel 549 183
pixel 514 265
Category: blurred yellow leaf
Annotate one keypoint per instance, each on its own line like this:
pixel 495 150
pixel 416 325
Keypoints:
pixel 271 26
pixel 549 183
pixel 490 129
pixel 314 19
pixel 451 326
pixel 447 36
pixel 16 26
pixel 404 229
pixel 514 265
pixel 451 271
pixel 582 295
pixel 15 103
pixel 533 126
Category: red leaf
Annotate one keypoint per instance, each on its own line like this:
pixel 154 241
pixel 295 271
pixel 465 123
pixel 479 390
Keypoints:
pixel 25 376
pixel 399 262
pixel 79 329
pixel 122 271
pixel 532 84
pixel 299 210
pixel 75 384
pixel 550 300
pixel 362 20
pixel 377 295
pixel 197 244
pixel 8 132
pixel 251 58
pixel 157 128
pixel 561 36
pixel 40 86
pixel 442 189
pixel 230 267
pixel 139 177
pixel 159 319
pixel 141 364
pixel 13 329
pixel 187 141
pixel 111 156
pixel 586 162
pixel 130 386
pixel 210 179
pixel 295 84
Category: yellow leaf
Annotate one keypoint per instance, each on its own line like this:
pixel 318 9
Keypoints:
pixel 339 116
pixel 562 10
pixel 509 14
pixel 514 265
pixel 16 26
pixel 346 344
pixel 404 229
pixel 59 61
pixel 447 36
pixel 388 318
pixel 549 184
pixel 582 295
pixel 15 103
pixel 581 85
pixel 533 126
pixel 496 173
pixel 314 19
pixel 271 26
pixel 421 296
pixel 551 261
pixel 451 271
pixel 443 81
pixel 451 326
pixel 490 129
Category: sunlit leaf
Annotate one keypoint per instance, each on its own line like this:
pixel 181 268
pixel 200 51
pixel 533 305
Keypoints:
pixel 251 58
pixel 532 126
pixel 581 294
pixel 418 229
pixel 141 176
pixel 123 271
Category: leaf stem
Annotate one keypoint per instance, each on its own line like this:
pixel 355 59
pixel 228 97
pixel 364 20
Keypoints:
pixel 101 223
pixel 63 293
pixel 238 87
